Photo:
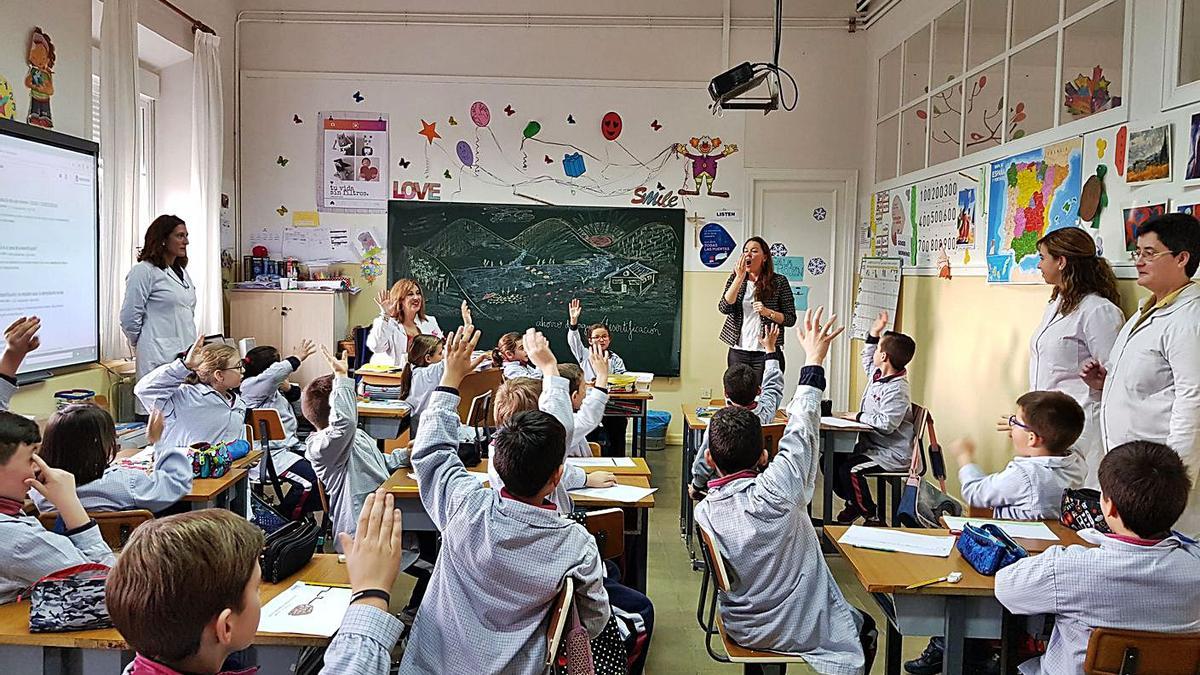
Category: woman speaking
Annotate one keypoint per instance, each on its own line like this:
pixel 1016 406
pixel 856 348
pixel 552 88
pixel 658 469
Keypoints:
pixel 751 307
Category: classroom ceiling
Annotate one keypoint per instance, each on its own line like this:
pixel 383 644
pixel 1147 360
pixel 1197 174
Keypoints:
pixel 792 9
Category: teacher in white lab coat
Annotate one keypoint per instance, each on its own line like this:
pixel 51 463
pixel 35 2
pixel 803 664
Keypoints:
pixel 1151 382
pixel 1080 323
pixel 159 312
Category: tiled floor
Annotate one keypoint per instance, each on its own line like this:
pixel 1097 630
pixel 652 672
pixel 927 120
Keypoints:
pixel 678 644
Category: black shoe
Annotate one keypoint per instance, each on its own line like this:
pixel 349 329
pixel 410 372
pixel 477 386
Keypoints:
pixel 868 636
pixel 874 522
pixel 848 515
pixel 929 662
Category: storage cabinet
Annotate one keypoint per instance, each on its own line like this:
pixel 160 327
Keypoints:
pixel 282 319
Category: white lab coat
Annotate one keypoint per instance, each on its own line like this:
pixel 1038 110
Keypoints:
pixel 1057 351
pixel 388 341
pixel 158 315
pixel 1152 392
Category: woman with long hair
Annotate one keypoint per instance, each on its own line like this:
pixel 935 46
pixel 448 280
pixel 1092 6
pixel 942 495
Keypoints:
pixel 755 298
pixel 1081 322
pixel 401 318
pixel 158 315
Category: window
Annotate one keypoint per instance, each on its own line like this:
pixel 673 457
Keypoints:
pixel 144 211
pixel 1181 81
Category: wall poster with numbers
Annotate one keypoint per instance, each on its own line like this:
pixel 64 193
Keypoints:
pixel 878 291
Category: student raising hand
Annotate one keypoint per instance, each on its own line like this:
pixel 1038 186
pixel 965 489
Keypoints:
pixel 574 310
pixel 339 366
pixel 20 338
pixel 815 337
pixel 304 350
pixel 457 360
pixel 538 349
pixel 466 314
pixel 598 358
pixel 373 554
pixel 769 338
pixel 880 324
pixel 192 359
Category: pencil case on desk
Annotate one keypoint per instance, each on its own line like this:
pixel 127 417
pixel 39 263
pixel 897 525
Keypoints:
pixel 987 549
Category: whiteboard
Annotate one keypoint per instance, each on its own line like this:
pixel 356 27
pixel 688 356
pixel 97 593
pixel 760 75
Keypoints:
pixel 439 151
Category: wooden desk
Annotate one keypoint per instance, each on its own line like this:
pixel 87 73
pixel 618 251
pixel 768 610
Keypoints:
pixel 634 405
pixel 231 491
pixel 968 609
pixel 382 424
pixel 105 651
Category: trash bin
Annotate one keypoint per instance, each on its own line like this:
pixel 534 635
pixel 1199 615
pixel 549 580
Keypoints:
pixel 657 422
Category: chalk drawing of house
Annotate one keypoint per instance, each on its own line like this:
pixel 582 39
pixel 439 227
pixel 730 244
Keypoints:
pixel 634 277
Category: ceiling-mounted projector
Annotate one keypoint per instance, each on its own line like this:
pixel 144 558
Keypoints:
pixel 730 90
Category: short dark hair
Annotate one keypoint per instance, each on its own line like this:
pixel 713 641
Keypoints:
pixel 528 449
pixel 735 439
pixel 574 376
pixel 14 430
pixel 176 574
pixel 899 348
pixel 1053 416
pixel 155 243
pixel 259 359
pixel 741 384
pixel 80 439
pixel 1147 484
pixel 1180 233
pixel 314 402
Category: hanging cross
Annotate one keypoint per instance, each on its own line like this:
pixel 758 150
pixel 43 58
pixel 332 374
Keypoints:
pixel 695 219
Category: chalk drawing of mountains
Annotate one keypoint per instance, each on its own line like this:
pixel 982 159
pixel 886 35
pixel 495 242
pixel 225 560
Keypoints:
pixel 653 242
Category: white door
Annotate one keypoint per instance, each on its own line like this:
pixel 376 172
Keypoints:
pixel 805 216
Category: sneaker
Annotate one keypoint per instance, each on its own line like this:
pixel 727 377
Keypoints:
pixel 929 662
pixel 848 515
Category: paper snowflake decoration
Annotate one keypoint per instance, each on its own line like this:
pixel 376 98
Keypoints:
pixel 816 266
pixel 819 213
pixel 778 250
pixel 1088 95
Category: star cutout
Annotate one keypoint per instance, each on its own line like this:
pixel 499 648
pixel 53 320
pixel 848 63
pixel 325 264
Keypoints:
pixel 429 131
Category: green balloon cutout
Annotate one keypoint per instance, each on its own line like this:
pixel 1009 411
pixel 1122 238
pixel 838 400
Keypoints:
pixel 532 129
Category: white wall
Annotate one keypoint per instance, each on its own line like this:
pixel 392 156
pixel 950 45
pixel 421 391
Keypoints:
pixel 69 25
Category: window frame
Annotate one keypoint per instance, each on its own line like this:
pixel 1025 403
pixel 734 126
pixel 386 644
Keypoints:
pixel 1175 95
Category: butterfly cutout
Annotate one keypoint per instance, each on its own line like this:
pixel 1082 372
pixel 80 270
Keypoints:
pixel 453 122
pixel 570 119
pixel 655 125
pixel 282 210
pixel 281 160
pixel 548 160
pixel 508 110
pixel 404 163
pixel 661 187
pixel 358 97
pixel 447 174
pixel 297 120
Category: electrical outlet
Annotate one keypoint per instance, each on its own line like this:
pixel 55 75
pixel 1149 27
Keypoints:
pixel 706 393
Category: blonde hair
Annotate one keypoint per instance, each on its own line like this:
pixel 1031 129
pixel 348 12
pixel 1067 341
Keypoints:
pixel 400 290
pixel 213 358
pixel 514 396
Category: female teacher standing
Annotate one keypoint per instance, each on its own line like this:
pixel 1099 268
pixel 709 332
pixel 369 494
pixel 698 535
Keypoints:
pixel 750 307
pixel 1080 323
pixel 159 312
pixel 1151 383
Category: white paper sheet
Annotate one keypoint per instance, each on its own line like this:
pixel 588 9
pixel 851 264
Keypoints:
pixel 1013 528
pixel 590 461
pixel 617 493
pixel 883 539
pixel 306 609
pixel 624 461
pixel 844 424
pixel 384 405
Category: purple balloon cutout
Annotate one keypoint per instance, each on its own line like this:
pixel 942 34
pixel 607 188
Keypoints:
pixel 464 153
pixel 480 114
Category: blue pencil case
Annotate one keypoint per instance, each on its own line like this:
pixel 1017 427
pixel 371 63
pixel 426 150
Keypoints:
pixel 988 549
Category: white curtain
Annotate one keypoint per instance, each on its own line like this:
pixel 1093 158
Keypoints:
pixel 204 228
pixel 120 148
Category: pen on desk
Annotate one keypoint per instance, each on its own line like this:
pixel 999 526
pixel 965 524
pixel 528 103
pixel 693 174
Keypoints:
pixel 325 585
pixel 953 578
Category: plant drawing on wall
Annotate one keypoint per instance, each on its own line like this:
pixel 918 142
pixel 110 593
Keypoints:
pixel 992 122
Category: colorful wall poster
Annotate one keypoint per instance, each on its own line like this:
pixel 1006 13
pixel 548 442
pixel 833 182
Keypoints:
pixel 1192 175
pixel 716 246
pixel 966 217
pixel 1188 206
pixel 902 217
pixel 1029 195
pixel 353 152
pixel 1148 155
pixel 1135 217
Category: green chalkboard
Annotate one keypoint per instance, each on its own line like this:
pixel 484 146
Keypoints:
pixel 519 266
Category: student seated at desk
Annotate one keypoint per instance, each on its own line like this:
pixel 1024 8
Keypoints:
pixel 741 388
pixel 510 355
pixel 887 408
pixel 782 595
pixel 587 402
pixel 1029 488
pixel 185 592
pixel 1143 576
pixel 423 371
pixel 197 396
pixel 506 552
pixel 548 394
pixel 266 386
pixel 81 439
pixel 599 335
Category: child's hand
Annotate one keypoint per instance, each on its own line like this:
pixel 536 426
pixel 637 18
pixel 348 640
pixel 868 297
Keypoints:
pixel 459 346
pixel 770 338
pixel 1002 425
pixel 964 451
pixel 21 338
pixel 466 314
pixel 339 366
pixel 373 555
pixel 601 479
pixel 479 360
pixel 599 360
pixel 58 487
pixel 1094 374
pixel 538 349
pixel 192 360
pixel 880 324
pixel 574 310
pixel 815 337
pixel 305 350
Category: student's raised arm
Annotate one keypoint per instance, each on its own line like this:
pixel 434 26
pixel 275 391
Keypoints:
pixel 260 389
pixel 772 382
pixel 871 344
pixel 330 447
pixel 980 489
pixel 20 338
pixel 574 332
pixel 157 387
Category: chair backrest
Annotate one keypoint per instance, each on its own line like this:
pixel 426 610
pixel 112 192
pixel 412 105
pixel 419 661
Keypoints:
pixel 1124 652
pixel 557 625
pixel 475 384
pixel 714 556
pixel 771 435
pixel 477 414
pixel 270 417
pixel 115 526
pixel 608 527
pixel 595 448
pixel 362 353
